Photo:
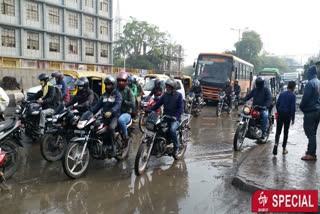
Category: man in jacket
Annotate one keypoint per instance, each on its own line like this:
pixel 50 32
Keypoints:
pixel 197 90
pixel 157 90
pixel 132 86
pixel 310 106
pixel 47 98
pixel 111 104
pixel 237 89
pixel 228 90
pixel 84 96
pixel 261 97
pixel 60 83
pixel 128 103
pixel 173 106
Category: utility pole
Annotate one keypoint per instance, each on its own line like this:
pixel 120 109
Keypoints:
pixel 239 31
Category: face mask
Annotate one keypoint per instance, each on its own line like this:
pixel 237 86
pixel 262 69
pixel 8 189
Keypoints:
pixel 81 88
pixel 42 83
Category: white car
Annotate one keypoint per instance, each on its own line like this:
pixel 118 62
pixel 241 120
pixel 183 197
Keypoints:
pixel 150 84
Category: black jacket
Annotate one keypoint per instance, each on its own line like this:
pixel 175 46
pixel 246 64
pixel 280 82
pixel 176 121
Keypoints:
pixel 84 99
pixel 49 101
pixel 197 90
pixel 155 91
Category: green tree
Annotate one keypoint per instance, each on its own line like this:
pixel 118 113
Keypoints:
pixel 275 62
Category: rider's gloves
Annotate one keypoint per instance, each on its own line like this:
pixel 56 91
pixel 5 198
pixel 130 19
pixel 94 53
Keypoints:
pixel 108 114
pixel 174 119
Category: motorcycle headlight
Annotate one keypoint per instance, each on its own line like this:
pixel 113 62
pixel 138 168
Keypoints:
pixel 35 112
pixel 146 103
pixel 246 110
pixel 82 124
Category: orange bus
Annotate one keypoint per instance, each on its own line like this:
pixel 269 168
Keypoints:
pixel 214 69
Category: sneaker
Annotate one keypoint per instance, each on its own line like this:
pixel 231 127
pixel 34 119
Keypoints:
pixel 275 149
pixel 176 152
pixel 309 158
pixel 42 132
pixel 284 151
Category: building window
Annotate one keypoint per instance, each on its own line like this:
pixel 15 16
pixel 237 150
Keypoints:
pixel 89 24
pixel 73 20
pixel 89 48
pixel 74 1
pixel 8 7
pixel 54 16
pixel 33 41
pixel 104 50
pixel 8 38
pixel 54 43
pixel 89 3
pixel 104 5
pixel 73 46
pixel 104 27
pixel 32 11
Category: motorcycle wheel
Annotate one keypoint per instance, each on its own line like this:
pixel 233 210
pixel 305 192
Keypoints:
pixel 229 110
pixel 125 152
pixel 11 163
pixel 182 151
pixel 142 158
pixel 239 137
pixel 52 147
pixel 218 110
pixel 71 162
pixel 142 121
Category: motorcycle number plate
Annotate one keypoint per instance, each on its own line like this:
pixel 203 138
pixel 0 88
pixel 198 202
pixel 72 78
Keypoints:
pixel 79 132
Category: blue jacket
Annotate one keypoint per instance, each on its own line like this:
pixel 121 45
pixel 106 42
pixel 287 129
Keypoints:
pixel 109 102
pixel 311 101
pixel 261 97
pixel 237 89
pixel 173 104
pixel 287 103
pixel 64 90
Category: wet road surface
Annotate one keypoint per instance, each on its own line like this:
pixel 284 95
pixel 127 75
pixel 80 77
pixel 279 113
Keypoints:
pixel 201 183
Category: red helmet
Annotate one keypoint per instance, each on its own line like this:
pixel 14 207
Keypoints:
pixel 124 77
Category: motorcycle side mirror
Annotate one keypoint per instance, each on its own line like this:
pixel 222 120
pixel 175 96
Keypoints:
pixel 75 104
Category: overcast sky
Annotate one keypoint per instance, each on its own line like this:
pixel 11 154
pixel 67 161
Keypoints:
pixel 286 27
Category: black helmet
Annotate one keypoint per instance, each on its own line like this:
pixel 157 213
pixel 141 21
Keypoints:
pixel 82 83
pixel 157 81
pixel 171 82
pixel 109 80
pixel 227 82
pixel 57 74
pixel 196 83
pixel 260 82
pixel 43 76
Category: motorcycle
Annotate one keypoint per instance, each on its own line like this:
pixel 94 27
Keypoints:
pixel 147 103
pixel 88 141
pixel 193 106
pixel 157 140
pixel 60 132
pixel 9 151
pixel 223 103
pixel 250 126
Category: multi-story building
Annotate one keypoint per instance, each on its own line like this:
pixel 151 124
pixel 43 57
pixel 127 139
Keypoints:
pixel 56 34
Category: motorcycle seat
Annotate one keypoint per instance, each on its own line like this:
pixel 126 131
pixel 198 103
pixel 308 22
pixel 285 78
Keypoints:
pixel 6 124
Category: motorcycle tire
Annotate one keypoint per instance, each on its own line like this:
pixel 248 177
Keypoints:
pixel 51 152
pixel 12 161
pixel 237 136
pixel 219 109
pixel 182 151
pixel 143 148
pixel 142 120
pixel 125 152
pixel 68 156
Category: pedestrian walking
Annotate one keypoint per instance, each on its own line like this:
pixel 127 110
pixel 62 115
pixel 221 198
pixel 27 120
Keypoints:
pixel 286 109
pixel 310 106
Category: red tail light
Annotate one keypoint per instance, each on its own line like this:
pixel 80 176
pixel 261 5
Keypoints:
pixel 255 114
pixel 2 158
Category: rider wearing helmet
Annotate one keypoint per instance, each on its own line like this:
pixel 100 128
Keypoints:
pixel 110 102
pixel 60 83
pixel 197 90
pixel 139 87
pixel 84 96
pixel 173 106
pixel 47 98
pixel 261 97
pixel 128 103
pixel 132 86
pixel 237 89
pixel 228 90
pixel 157 90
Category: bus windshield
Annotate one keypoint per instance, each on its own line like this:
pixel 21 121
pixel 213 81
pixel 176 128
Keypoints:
pixel 214 69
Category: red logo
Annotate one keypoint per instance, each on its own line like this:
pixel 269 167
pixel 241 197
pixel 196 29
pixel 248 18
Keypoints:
pixel 285 201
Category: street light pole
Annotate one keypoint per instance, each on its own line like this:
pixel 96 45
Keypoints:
pixel 239 31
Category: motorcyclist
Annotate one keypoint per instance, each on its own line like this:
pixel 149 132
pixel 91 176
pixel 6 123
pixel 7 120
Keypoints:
pixel 132 86
pixel 4 102
pixel 128 103
pixel 139 90
pixel 197 90
pixel 237 89
pixel 62 85
pixel 47 98
pixel 173 106
pixel 228 90
pixel 84 96
pixel 110 102
pixel 262 97
pixel 157 90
